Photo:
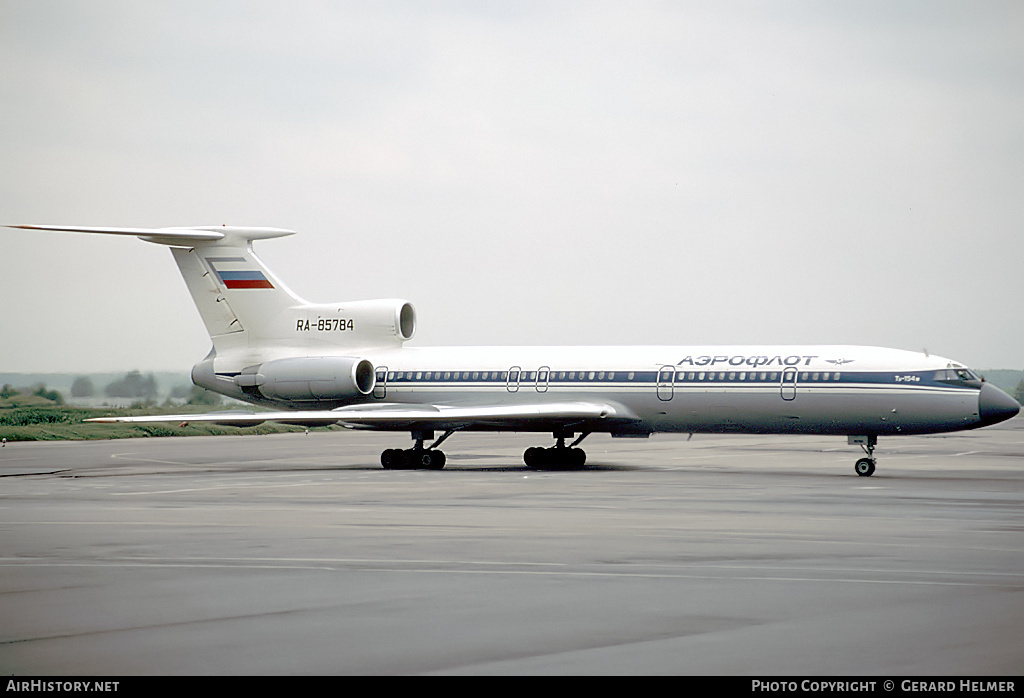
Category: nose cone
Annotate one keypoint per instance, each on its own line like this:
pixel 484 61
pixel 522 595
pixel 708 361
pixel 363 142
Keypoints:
pixel 994 405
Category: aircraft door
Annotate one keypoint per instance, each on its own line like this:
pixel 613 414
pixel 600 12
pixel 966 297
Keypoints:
pixel 380 387
pixel 789 384
pixel 666 382
pixel 542 378
pixel 512 385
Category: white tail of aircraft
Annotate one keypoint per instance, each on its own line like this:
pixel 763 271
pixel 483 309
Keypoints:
pixel 244 305
pixel 270 345
pixel 252 317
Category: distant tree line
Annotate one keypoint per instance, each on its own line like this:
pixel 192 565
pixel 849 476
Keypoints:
pixel 133 385
pixel 136 386
pixel 83 387
pixel 39 390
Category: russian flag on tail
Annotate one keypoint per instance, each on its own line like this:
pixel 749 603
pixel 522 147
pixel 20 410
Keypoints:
pixel 244 279
pixel 239 279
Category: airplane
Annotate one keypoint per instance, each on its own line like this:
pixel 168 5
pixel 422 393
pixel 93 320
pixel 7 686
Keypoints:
pixel 346 363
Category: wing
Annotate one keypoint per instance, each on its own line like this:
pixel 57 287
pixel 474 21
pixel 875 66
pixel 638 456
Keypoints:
pixel 591 416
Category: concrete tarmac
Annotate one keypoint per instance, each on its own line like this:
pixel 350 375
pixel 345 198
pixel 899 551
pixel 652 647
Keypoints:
pixel 297 554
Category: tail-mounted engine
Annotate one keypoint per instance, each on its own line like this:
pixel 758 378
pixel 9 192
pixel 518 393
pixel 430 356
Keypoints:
pixel 355 324
pixel 313 378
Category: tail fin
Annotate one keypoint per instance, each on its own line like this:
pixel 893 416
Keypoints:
pixel 238 297
pixel 235 293
pixel 249 313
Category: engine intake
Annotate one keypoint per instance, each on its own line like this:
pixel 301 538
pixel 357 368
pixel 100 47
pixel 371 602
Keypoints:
pixel 383 320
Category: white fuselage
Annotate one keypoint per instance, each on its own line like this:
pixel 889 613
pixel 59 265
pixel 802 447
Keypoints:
pixel 756 389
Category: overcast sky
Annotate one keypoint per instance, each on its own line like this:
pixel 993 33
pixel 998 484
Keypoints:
pixel 522 172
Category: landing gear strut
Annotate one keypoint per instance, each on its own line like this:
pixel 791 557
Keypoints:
pixel 865 467
pixel 559 456
pixel 417 457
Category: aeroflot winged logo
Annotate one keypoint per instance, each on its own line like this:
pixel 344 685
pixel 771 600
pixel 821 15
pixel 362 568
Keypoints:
pixel 237 278
pixel 840 362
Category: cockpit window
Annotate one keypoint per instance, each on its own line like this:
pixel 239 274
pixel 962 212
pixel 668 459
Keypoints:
pixel 958 374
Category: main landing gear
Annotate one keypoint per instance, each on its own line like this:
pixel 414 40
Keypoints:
pixel 417 457
pixel 557 457
pixel 865 467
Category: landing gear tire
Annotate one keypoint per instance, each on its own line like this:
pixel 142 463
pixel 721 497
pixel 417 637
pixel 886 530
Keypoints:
pixel 432 460
pixel 391 459
pixel 412 459
pixel 555 458
pixel 865 467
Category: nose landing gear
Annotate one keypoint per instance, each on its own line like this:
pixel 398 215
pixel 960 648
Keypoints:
pixel 865 467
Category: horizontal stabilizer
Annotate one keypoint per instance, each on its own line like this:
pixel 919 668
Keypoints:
pixel 172 236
